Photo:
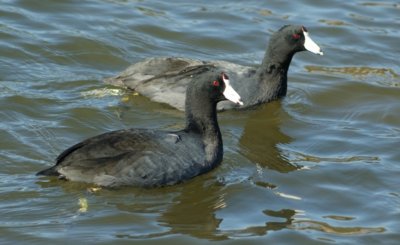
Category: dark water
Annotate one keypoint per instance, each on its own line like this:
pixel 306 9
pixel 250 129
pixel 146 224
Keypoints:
pixel 318 167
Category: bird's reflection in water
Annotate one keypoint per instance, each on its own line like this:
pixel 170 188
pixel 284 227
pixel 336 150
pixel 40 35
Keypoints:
pixel 262 137
pixel 190 209
pixel 194 213
pixel 195 210
pixel 286 214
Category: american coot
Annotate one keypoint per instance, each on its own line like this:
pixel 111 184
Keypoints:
pixel 165 79
pixel 150 158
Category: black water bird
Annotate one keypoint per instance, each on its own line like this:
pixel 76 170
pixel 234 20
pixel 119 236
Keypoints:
pixel 164 79
pixel 151 158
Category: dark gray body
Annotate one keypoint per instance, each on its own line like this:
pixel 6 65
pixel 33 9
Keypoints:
pixel 164 79
pixel 134 157
pixel 152 158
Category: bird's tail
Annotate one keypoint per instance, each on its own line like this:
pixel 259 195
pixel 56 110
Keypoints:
pixel 49 172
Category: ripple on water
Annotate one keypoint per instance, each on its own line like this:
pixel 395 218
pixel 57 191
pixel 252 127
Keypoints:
pixel 382 76
pixel 320 166
pixel 303 158
pixel 337 230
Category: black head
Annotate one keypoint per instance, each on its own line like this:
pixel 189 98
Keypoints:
pixel 294 39
pixel 202 96
pixel 214 87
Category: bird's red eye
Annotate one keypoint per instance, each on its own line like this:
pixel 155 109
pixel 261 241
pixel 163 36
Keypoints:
pixel 216 83
pixel 296 36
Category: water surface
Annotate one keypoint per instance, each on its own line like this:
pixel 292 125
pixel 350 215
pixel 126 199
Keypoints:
pixel 318 167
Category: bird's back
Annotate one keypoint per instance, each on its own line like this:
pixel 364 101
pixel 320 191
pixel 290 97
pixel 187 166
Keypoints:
pixel 133 157
pixel 165 80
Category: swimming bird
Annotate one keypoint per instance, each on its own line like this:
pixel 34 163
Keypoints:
pixel 149 157
pixel 164 79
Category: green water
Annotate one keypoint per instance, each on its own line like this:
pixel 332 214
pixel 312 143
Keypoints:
pixel 320 166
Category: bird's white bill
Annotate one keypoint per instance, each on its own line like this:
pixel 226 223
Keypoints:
pixel 230 93
pixel 310 45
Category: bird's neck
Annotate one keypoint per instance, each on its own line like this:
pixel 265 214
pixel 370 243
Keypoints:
pixel 202 120
pixel 272 74
pixel 278 55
